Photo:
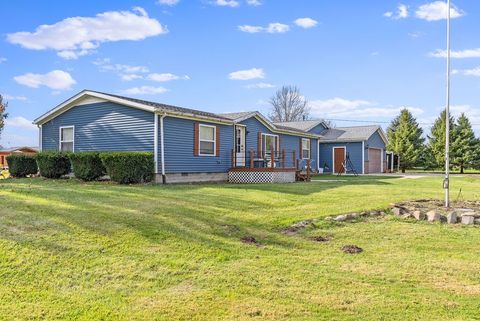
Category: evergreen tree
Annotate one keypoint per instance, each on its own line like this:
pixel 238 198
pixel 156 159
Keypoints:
pixel 3 114
pixel 436 138
pixel 464 145
pixel 405 139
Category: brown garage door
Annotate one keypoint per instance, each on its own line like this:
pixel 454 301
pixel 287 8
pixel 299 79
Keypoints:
pixel 338 159
pixel 374 160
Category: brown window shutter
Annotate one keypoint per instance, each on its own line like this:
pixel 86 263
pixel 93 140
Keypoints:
pixel 196 137
pixel 259 144
pixel 217 141
pixel 301 154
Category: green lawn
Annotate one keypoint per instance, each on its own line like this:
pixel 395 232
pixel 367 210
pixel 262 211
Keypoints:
pixel 98 251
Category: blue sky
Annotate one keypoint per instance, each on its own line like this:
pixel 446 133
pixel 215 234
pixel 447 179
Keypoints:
pixel 353 60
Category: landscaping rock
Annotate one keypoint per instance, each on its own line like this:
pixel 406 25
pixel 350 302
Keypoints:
pixel 382 213
pixel 468 219
pixel 407 215
pixel 352 249
pixel 476 221
pixel 363 214
pixel 471 213
pixel 396 210
pixel 452 218
pixel 340 218
pixel 328 218
pixel 418 215
pixel 433 216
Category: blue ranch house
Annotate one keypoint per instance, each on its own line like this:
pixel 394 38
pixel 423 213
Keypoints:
pixel 192 145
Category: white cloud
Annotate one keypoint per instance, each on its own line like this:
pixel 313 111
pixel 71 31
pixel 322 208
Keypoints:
pixel 168 2
pixel 254 73
pixel 416 34
pixel 56 79
pixel 401 13
pixel 2 60
pixel 78 36
pixel 468 53
pixel 260 85
pixel 475 72
pixel 19 98
pixel 437 10
pixel 125 72
pixel 20 122
pixel 275 27
pixel 306 22
pixel 226 3
pixel 130 77
pixel 145 90
pixel 254 2
pixel 166 77
pixel 355 109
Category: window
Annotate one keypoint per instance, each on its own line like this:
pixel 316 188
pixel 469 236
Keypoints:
pixel 269 143
pixel 207 140
pixel 67 135
pixel 305 148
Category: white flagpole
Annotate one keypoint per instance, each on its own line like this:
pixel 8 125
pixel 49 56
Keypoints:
pixel 447 116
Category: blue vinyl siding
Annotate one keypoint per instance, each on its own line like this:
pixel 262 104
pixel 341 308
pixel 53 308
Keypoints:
pixel 375 141
pixel 353 149
pixel 179 145
pixel 103 127
pixel 317 129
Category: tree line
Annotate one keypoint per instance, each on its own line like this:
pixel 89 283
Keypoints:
pixel 406 138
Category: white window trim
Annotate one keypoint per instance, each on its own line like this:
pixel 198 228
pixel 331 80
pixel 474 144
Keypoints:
pixel 214 141
pixel 309 148
pixel 60 141
pixel 264 143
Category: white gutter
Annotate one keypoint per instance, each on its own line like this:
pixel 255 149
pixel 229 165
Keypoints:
pixel 155 141
pixel 162 148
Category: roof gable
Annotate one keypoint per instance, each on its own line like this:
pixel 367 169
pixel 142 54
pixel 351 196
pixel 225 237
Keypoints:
pixel 351 134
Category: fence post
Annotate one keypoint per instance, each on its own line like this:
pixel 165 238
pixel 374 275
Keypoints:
pixel 251 158
pixel 272 158
pixel 308 169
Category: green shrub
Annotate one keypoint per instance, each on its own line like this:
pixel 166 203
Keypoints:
pixel 87 166
pixel 21 165
pixel 129 167
pixel 53 164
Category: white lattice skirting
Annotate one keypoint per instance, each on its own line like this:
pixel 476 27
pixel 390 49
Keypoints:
pixel 260 177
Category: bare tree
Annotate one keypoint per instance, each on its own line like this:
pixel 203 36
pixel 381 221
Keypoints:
pixel 3 114
pixel 288 104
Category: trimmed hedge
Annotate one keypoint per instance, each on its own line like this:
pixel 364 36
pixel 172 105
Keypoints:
pixel 53 164
pixel 129 167
pixel 21 165
pixel 87 166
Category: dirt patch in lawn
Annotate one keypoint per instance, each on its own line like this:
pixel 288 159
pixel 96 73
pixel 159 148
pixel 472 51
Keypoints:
pixel 352 249
pixel 320 238
pixel 250 240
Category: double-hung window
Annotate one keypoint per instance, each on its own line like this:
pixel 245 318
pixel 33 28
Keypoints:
pixel 67 139
pixel 269 144
pixel 207 141
pixel 305 148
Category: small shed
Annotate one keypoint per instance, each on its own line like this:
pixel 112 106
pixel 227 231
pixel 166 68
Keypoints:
pixel 5 152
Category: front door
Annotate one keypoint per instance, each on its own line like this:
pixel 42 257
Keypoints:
pixel 240 146
pixel 338 159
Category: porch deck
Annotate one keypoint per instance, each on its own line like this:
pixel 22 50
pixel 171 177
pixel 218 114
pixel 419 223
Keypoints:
pixel 267 167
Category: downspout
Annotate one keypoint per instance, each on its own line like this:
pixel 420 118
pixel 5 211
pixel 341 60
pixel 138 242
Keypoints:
pixel 363 157
pixel 155 142
pixel 40 138
pixel 318 155
pixel 162 149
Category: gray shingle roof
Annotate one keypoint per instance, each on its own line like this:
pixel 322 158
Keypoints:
pixel 168 107
pixel 234 116
pixel 305 125
pixel 345 134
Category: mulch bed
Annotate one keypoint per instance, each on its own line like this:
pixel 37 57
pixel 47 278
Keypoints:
pixel 352 249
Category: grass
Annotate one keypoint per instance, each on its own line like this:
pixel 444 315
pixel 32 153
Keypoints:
pixel 98 251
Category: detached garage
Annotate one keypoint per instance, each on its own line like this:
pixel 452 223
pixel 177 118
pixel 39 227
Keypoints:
pixel 360 148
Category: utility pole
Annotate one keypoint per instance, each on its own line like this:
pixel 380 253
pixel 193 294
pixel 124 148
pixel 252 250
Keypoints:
pixel 446 182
